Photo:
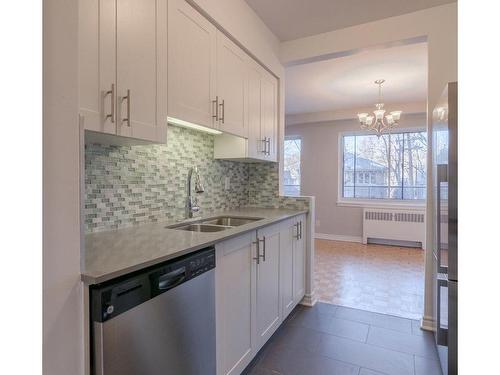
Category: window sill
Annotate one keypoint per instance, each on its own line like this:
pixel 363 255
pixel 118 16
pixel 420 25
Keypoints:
pixel 420 205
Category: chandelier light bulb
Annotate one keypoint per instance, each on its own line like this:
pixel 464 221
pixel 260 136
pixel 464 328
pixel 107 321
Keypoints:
pixel 396 115
pixel 362 117
pixel 379 114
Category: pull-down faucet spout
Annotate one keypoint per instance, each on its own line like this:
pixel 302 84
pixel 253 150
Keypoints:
pixel 192 202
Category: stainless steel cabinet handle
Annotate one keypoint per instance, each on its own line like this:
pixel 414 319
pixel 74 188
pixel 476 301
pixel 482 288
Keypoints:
pixel 216 102
pixel 128 108
pixel 296 235
pixel 264 248
pixel 257 246
pixel 222 105
pixel 112 93
pixel 269 146
pixel 264 151
pixel 300 225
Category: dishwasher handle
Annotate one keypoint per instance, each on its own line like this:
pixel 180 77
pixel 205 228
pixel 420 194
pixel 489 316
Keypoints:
pixel 171 279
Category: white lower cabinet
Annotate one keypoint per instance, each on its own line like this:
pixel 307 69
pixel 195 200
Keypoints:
pixel 268 282
pixel 292 262
pixel 260 278
pixel 299 258
pixel 235 303
pixel 286 266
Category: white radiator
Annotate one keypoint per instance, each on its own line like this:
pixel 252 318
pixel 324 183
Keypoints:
pixel 397 225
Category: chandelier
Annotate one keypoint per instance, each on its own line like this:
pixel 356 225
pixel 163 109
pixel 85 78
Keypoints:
pixel 378 122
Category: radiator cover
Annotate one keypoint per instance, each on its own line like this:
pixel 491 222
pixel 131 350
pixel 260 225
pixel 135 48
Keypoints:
pixel 398 225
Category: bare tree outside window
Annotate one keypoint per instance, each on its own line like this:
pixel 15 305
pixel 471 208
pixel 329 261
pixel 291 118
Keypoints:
pixel 291 171
pixel 392 166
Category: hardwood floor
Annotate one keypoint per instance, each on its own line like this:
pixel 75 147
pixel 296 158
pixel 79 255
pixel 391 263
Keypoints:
pixel 378 278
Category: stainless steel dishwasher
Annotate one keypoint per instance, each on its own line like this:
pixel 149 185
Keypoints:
pixel 159 321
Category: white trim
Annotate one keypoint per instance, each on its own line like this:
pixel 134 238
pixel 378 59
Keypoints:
pixel 372 203
pixel 339 237
pixel 383 203
pixel 427 324
pixel 309 300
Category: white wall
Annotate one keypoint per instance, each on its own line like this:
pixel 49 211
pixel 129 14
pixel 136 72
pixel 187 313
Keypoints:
pixel 319 172
pixel 62 292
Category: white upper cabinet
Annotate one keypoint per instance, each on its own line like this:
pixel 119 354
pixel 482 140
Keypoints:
pixel 123 67
pixel 269 114
pixel 262 113
pixel 97 64
pixel 207 73
pixel 215 83
pixel 231 87
pixel 192 50
pixel 256 142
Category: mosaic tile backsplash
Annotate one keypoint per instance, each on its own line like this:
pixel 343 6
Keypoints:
pixel 130 185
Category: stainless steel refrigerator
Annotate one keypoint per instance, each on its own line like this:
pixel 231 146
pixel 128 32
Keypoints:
pixel 445 171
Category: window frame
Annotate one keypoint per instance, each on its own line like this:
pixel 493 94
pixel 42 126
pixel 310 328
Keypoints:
pixel 291 138
pixel 417 204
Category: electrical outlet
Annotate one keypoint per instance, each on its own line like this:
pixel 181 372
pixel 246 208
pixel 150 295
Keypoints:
pixel 227 183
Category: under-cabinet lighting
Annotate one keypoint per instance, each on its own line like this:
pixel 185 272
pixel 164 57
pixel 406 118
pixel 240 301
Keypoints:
pixel 190 125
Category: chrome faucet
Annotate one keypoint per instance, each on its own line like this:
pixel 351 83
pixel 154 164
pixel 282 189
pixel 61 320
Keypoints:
pixel 192 202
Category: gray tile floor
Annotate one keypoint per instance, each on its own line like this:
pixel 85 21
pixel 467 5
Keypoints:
pixel 334 340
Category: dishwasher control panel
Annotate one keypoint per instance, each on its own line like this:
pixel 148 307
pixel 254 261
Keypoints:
pixel 117 296
pixel 202 264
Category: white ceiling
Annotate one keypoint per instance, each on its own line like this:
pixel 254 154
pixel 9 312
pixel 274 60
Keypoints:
pixel 292 19
pixel 347 82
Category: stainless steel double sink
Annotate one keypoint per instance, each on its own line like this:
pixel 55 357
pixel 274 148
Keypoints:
pixel 215 224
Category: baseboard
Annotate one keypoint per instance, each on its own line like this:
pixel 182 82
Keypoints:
pixel 427 324
pixel 309 300
pixel 338 237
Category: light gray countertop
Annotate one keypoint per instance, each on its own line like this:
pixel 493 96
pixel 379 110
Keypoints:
pixel 115 253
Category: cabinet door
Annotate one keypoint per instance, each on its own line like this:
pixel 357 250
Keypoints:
pixel 268 283
pixel 97 64
pixel 255 140
pixel 269 113
pixel 299 258
pixel 235 308
pixel 286 266
pixel 231 87
pixel 141 31
pixel 192 42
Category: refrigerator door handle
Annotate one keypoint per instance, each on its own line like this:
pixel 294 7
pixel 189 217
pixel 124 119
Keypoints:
pixel 441 333
pixel 442 176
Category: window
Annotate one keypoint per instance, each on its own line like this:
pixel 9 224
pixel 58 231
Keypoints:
pixel 392 166
pixel 291 171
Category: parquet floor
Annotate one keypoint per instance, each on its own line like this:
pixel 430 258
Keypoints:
pixel 378 278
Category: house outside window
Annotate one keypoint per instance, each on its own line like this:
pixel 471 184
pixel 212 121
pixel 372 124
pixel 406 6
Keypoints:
pixel 291 170
pixel 391 167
